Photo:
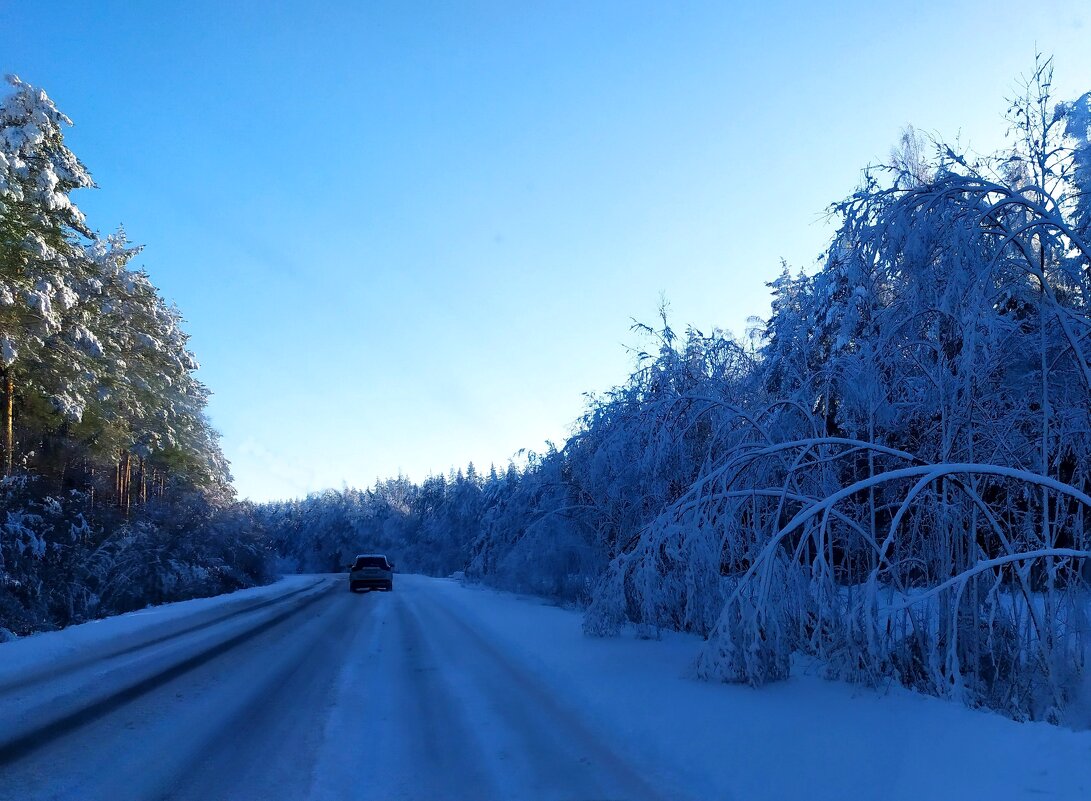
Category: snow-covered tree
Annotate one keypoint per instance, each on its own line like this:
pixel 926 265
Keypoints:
pixel 44 276
pixel 895 482
pixel 113 476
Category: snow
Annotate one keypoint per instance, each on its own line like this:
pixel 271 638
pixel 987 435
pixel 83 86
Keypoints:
pixel 806 737
pixel 54 651
pixel 442 690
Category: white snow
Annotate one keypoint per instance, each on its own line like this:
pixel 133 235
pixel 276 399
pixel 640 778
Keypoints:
pixel 445 691
pixel 804 738
pixel 52 650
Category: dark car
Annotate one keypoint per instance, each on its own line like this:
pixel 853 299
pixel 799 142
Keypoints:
pixel 371 572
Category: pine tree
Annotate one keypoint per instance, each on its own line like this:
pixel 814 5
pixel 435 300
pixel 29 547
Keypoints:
pixel 44 275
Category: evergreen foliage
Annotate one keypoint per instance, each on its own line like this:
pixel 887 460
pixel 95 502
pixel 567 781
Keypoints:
pixel 115 493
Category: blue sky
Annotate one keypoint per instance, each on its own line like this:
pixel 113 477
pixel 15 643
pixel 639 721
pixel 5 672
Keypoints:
pixel 410 235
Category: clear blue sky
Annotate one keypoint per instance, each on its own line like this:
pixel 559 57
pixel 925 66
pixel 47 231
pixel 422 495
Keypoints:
pixel 409 235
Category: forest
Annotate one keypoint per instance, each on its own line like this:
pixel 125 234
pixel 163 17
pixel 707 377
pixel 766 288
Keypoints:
pixel 888 480
pixel 115 492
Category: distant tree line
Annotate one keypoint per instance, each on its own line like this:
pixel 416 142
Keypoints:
pixel 891 478
pixel 115 492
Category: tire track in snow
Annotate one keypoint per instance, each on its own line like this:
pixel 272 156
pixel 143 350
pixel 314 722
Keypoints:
pixel 64 667
pixel 546 750
pixel 20 743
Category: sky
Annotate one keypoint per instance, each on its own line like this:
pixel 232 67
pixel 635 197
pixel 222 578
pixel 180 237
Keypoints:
pixel 406 236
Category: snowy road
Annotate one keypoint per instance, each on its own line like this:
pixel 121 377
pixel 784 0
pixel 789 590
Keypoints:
pixel 338 696
pixel 437 691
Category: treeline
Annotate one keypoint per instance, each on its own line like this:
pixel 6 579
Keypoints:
pixel 115 492
pixel 893 482
pixel 512 528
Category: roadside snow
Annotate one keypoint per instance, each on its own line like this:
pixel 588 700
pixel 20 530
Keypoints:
pixel 24 658
pixel 439 686
pixel 806 738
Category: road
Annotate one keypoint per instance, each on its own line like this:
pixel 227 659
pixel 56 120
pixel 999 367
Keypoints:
pixel 439 691
pixel 325 695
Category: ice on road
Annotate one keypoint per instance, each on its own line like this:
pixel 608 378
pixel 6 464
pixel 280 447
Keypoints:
pixel 438 691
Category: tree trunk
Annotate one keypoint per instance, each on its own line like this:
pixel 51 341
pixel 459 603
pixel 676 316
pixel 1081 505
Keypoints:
pixel 9 422
pixel 127 481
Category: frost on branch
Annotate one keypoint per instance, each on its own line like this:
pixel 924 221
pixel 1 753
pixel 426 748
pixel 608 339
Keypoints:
pixel 905 491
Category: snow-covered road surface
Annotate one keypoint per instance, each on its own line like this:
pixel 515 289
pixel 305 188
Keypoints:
pixel 438 691
pixel 323 694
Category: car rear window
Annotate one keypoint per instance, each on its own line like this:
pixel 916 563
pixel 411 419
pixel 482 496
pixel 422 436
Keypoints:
pixel 370 561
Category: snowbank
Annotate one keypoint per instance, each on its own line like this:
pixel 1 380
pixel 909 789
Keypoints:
pixel 804 738
pixel 29 658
